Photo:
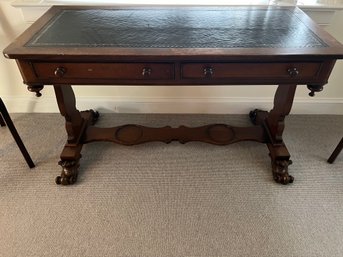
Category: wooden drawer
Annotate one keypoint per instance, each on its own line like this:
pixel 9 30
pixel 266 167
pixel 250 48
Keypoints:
pixel 120 71
pixel 295 70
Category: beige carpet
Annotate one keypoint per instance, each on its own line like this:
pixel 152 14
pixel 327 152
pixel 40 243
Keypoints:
pixel 156 200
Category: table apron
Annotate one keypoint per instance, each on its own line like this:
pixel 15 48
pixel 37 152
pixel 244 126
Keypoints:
pixel 175 73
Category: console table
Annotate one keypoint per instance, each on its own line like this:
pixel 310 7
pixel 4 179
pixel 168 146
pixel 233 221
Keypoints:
pixel 85 45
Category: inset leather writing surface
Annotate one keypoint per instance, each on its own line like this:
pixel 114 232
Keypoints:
pixel 177 28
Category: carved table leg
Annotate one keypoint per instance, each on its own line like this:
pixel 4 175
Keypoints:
pixel 76 124
pixel 69 172
pixel 274 126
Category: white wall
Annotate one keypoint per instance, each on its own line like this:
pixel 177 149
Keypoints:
pixel 196 99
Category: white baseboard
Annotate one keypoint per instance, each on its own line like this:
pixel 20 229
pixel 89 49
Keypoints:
pixel 223 105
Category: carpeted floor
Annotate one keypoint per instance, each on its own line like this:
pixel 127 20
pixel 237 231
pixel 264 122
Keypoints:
pixel 155 200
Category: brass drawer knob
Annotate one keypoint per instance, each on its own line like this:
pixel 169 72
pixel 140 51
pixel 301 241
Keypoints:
pixel 208 72
pixel 293 72
pixel 146 72
pixel 60 72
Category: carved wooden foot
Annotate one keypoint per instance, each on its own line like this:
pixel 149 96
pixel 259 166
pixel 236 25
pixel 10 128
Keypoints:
pixel 280 171
pixel 253 116
pixel 257 116
pixel 69 172
pixel 93 116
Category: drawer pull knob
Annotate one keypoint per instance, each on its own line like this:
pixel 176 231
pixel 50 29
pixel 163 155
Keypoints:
pixel 146 72
pixel 208 72
pixel 60 72
pixel 293 72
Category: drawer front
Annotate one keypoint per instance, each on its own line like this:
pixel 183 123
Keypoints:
pixel 120 71
pixel 295 70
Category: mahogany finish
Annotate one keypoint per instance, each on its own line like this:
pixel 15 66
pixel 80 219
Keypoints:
pixel 175 46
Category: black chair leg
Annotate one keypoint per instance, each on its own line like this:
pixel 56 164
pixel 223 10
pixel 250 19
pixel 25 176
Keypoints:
pixel 336 152
pixel 2 122
pixel 6 119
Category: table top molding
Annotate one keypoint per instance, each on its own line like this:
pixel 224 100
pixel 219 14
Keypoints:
pixel 18 48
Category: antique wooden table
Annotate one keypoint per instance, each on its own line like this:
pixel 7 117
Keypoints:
pixel 175 46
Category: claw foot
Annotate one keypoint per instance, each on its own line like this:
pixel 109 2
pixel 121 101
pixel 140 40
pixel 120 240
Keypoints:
pixel 257 116
pixel 69 172
pixel 253 116
pixel 280 171
pixel 95 116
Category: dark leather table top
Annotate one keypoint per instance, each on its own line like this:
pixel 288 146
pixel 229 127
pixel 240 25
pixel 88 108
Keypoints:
pixel 177 28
